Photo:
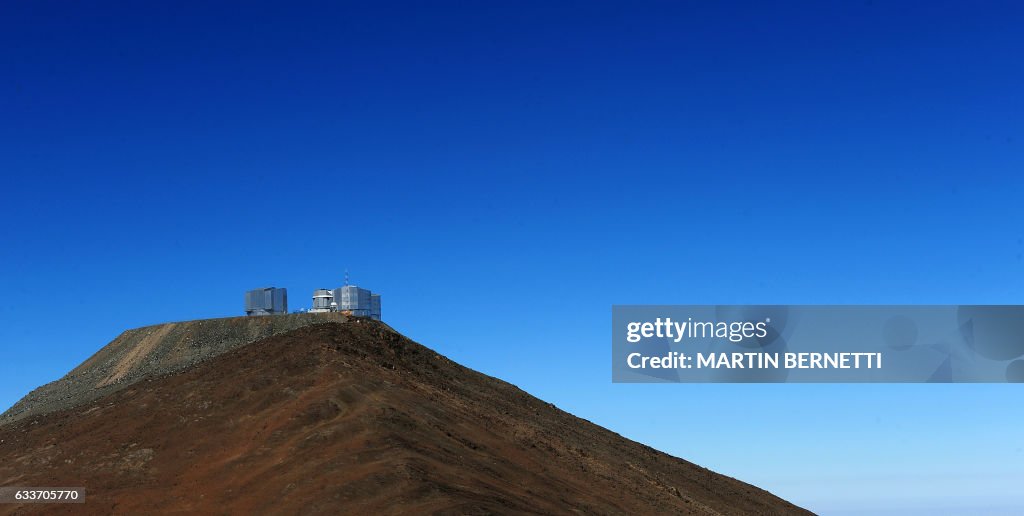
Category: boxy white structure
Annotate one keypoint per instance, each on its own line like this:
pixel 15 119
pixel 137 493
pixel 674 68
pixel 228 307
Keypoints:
pixel 357 301
pixel 266 301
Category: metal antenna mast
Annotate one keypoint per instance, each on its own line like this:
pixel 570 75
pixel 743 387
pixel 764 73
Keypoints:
pixel 346 277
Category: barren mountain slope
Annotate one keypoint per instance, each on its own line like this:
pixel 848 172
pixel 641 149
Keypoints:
pixel 149 351
pixel 349 418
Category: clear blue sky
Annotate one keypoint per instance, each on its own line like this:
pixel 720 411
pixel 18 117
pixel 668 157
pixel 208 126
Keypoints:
pixel 505 172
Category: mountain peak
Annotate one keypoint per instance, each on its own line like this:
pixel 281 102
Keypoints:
pixel 350 417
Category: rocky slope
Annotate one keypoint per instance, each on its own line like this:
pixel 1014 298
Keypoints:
pixel 348 418
pixel 153 350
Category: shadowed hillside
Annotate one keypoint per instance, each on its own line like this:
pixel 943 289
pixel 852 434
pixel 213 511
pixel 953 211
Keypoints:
pixel 349 418
pixel 153 350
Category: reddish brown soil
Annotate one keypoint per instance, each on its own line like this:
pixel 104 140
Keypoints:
pixel 349 418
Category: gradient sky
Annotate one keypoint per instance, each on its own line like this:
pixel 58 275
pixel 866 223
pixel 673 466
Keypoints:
pixel 504 172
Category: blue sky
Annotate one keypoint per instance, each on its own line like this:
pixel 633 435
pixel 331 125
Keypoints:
pixel 505 172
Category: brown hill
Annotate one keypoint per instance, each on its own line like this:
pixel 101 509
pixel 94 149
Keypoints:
pixel 348 418
pixel 150 351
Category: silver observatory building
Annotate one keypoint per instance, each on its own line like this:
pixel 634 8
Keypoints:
pixel 349 299
pixel 357 301
pixel 266 301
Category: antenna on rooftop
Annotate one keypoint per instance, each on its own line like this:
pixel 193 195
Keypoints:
pixel 346 277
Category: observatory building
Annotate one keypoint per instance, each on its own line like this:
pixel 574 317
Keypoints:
pixel 357 301
pixel 350 300
pixel 266 301
pixel 322 299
